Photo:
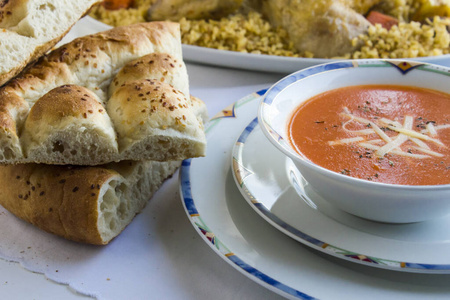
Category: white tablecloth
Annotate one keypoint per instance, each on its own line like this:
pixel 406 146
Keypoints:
pixel 169 261
pixel 179 265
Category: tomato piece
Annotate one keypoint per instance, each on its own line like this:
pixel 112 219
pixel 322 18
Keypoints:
pixel 386 21
pixel 117 4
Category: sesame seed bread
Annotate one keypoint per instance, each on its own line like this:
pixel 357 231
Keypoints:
pixel 29 28
pixel 51 122
pixel 122 94
pixel 84 204
pixel 156 66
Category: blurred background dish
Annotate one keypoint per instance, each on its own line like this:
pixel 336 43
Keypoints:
pixel 275 36
pixel 267 63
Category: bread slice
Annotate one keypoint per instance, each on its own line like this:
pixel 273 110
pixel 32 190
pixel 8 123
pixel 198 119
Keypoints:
pixel 122 94
pixel 32 27
pixel 84 204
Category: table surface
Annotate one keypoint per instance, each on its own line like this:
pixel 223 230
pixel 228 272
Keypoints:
pixel 218 87
pixel 212 277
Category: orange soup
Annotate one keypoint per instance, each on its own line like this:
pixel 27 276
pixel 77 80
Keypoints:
pixel 383 133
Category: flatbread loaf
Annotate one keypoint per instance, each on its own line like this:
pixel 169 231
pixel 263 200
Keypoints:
pixel 84 204
pixel 122 94
pixel 29 28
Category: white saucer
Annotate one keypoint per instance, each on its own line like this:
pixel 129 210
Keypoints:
pixel 251 245
pixel 270 182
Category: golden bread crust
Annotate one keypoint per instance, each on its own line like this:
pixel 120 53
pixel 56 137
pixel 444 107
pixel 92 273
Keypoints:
pixel 56 199
pixel 61 129
pixel 84 204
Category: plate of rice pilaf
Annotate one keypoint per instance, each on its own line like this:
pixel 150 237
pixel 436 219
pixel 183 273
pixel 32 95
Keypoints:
pixel 248 39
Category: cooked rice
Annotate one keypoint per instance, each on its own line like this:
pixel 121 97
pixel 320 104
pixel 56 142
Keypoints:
pixel 400 9
pixel 251 33
pixel 244 33
pixel 407 40
pixel 122 17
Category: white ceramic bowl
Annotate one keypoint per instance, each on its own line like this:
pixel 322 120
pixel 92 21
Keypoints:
pixel 371 200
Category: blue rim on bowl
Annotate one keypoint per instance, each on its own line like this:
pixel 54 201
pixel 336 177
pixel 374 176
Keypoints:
pixel 372 200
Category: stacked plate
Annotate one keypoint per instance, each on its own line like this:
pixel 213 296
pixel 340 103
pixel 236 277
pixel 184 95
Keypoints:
pixel 252 206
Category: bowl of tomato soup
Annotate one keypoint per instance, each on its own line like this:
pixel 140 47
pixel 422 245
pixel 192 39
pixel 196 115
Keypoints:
pixel 372 137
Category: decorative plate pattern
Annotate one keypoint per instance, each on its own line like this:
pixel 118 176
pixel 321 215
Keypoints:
pixel 202 228
pixel 239 168
pixel 226 223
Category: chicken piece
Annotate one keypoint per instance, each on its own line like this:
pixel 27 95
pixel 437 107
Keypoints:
pixel 325 28
pixel 174 10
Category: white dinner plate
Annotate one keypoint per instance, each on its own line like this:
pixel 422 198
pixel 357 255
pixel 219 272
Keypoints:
pixel 274 187
pixel 233 59
pixel 267 63
pixel 238 235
